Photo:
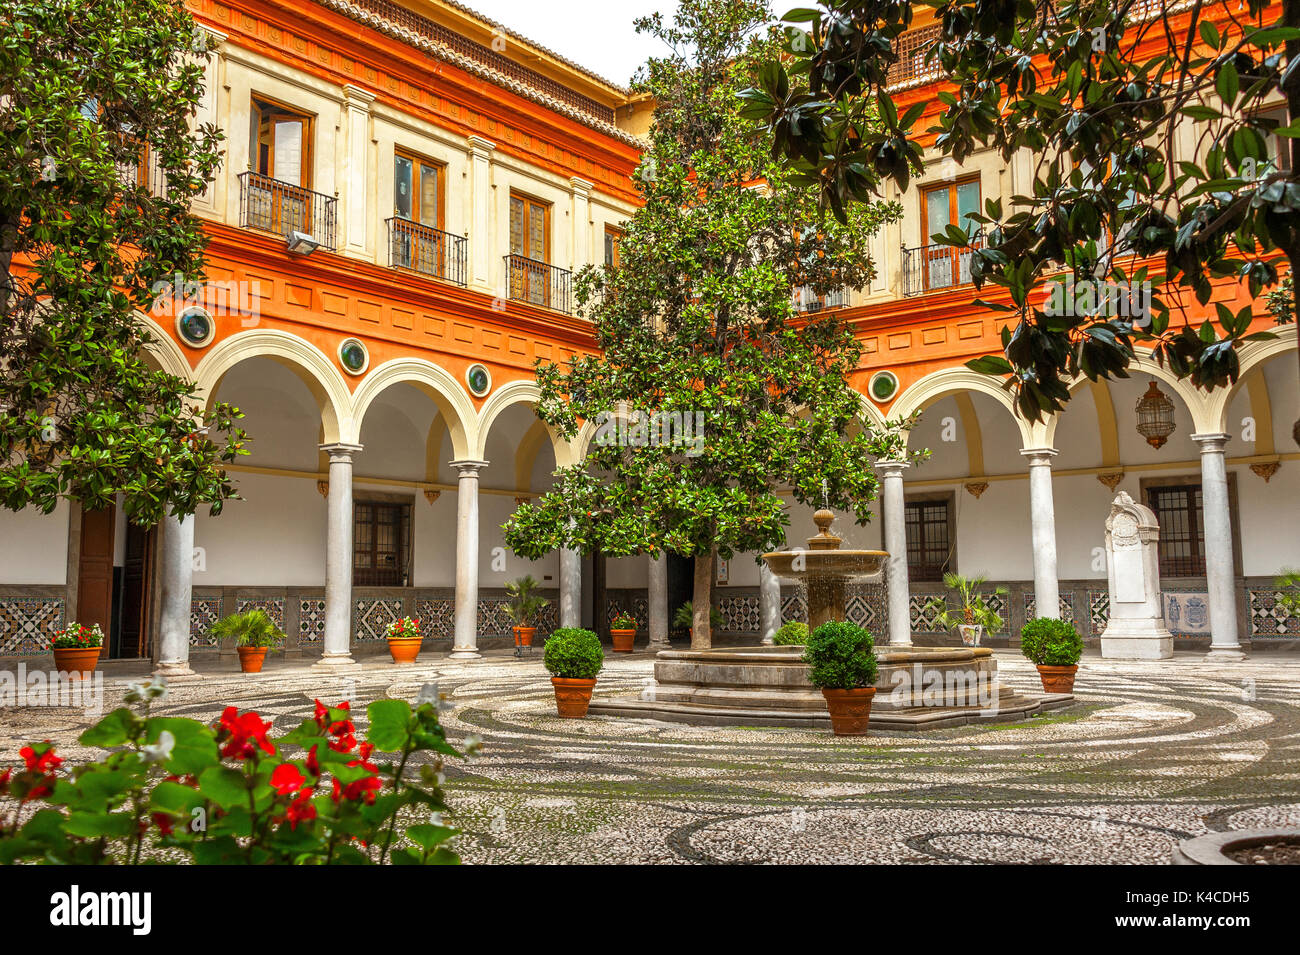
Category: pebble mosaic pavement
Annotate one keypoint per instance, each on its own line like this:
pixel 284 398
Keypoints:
pixel 1152 753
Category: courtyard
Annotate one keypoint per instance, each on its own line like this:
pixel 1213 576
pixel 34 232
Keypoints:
pixel 1150 754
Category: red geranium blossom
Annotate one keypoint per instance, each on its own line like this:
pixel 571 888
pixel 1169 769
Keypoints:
pixel 343 731
pixel 244 735
pixel 287 779
pixel 301 809
pixel 46 762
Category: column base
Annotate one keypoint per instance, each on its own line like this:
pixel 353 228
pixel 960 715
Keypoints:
pixel 334 662
pixel 899 645
pixel 171 671
pixel 1226 654
pixel 767 642
pixel 464 653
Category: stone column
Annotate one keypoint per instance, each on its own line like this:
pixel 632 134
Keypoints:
pixel 1042 530
pixel 658 599
pixel 337 650
pixel 1219 576
pixel 481 242
pixel 896 584
pixel 465 642
pixel 355 169
pixel 176 572
pixel 570 588
pixel 769 603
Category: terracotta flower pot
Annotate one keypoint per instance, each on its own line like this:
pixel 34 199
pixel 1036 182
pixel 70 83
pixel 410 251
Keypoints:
pixel 850 709
pixel 970 634
pixel 77 662
pixel 251 658
pixel 524 636
pixel 623 640
pixel 1057 679
pixel 404 649
pixel 572 696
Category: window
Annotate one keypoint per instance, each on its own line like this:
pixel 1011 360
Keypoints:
pixel 612 238
pixel 279 196
pixel 945 205
pixel 1279 147
pixel 418 199
pixel 381 544
pixel 1182 529
pixel 929 537
pixel 530 248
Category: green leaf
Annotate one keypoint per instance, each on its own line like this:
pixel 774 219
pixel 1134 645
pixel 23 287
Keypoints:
pixel 113 730
pixel 389 724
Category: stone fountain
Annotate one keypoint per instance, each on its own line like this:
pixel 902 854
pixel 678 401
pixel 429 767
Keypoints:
pixel 917 688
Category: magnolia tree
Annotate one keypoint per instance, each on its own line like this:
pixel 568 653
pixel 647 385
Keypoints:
pixel 709 390
pixel 99 160
pixel 1157 131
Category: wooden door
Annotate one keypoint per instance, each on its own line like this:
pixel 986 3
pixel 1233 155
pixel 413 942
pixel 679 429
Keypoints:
pixel 95 569
pixel 137 592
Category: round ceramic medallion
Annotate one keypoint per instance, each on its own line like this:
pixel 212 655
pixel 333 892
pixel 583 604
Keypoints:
pixel 195 326
pixel 353 356
pixel 479 380
pixel 883 386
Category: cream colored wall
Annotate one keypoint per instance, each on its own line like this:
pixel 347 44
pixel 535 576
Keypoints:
pixel 34 546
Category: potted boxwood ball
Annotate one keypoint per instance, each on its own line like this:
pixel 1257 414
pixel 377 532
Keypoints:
pixel 623 632
pixel 574 657
pixel 254 634
pixel 842 662
pixel 1054 646
pixel 76 650
pixel 792 634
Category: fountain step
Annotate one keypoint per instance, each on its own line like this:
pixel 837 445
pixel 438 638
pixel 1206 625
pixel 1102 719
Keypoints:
pixel 1010 708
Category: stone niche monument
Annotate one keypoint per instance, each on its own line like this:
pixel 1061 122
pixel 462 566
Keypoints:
pixel 1136 629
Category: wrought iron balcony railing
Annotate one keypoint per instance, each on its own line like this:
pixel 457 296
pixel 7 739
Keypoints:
pixel 928 268
pixel 282 208
pixel 426 250
pixel 528 280
pixel 806 300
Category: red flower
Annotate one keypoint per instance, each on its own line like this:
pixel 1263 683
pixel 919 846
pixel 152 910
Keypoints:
pixel 287 779
pixel 363 789
pixel 243 735
pixel 313 766
pixel 163 822
pixel 343 731
pixel 301 809
pixel 46 762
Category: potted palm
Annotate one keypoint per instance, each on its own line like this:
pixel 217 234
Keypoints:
pixel 524 607
pixel 404 640
pixel 623 632
pixel 574 657
pixel 842 663
pixel 254 634
pixel 1054 646
pixel 972 617
pixel 76 650
pixel 684 618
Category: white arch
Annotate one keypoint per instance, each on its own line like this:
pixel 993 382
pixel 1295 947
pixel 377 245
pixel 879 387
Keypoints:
pixel 867 410
pixel 316 370
pixel 164 349
pixel 1252 355
pixel 948 381
pixel 436 382
pixel 513 393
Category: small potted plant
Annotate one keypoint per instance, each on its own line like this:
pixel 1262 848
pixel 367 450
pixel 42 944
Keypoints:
pixel 1054 646
pixel 842 662
pixel 524 607
pixel 792 634
pixel 574 657
pixel 404 639
pixel 76 650
pixel 623 632
pixel 972 617
pixel 254 633
pixel 684 618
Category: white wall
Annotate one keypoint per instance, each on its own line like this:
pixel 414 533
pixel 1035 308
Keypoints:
pixel 34 546
pixel 273 538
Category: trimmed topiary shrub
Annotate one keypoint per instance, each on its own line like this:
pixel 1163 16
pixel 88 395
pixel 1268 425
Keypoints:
pixel 792 634
pixel 842 656
pixel 1051 643
pixel 574 654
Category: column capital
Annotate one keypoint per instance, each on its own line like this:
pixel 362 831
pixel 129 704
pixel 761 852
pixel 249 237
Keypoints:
pixel 358 98
pixel 341 451
pixel 478 146
pixel 580 186
pixel 468 468
pixel 213 38
pixel 892 468
pixel 1039 455
pixel 1212 442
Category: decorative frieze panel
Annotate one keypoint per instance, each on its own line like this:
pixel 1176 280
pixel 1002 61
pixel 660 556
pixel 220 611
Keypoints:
pixel 311 620
pixel 204 612
pixel 372 615
pixel 1098 611
pixel 437 617
pixel 27 624
pixel 740 614
pixel 274 607
pixel 1065 607
pixel 1268 618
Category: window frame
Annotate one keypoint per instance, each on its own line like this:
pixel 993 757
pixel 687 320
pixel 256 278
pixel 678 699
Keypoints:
pixel 405 550
pixel 546 207
pixel 910 503
pixel 1146 485
pixel 417 160
pixel 308 152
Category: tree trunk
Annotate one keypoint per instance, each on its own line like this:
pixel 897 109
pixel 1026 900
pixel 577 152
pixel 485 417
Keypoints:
pixel 702 602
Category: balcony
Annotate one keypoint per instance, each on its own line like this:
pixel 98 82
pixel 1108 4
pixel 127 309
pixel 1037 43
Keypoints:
pixel 808 301
pixel 426 250
pixel 929 268
pixel 528 280
pixel 282 208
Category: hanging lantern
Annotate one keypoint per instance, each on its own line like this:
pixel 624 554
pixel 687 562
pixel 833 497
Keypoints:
pixel 1155 416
